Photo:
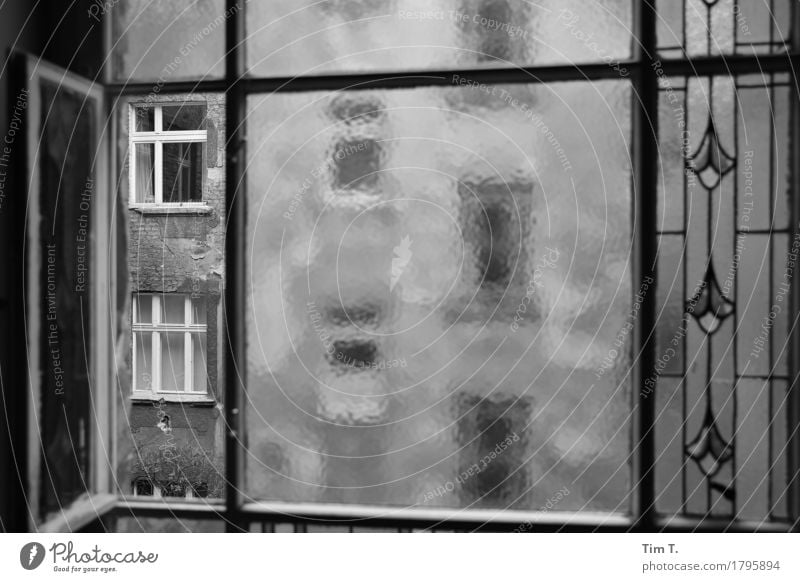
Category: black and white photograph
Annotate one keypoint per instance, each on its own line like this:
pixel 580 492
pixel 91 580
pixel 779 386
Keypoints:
pixel 400 266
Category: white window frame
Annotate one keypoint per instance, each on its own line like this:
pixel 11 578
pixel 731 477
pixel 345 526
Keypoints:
pixel 156 328
pixel 158 137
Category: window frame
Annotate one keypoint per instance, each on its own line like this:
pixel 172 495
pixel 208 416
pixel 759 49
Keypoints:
pixel 240 514
pixel 157 328
pixel 158 137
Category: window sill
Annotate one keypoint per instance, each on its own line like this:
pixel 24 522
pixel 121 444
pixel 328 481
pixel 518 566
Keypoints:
pixel 190 398
pixel 167 209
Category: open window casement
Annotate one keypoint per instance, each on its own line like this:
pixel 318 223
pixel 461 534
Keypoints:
pixel 69 298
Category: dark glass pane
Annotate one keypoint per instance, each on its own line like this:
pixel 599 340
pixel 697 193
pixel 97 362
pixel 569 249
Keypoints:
pixel 145 118
pixel 285 37
pixel 66 154
pixel 437 336
pixel 173 308
pixel 183 117
pixel 184 172
pixel 143 312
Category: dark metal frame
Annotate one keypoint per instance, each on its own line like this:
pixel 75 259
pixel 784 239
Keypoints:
pixel 239 516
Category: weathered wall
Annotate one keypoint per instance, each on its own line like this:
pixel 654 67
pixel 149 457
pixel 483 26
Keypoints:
pixel 180 253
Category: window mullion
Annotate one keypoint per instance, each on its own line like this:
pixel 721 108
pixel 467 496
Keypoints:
pixel 234 311
pixel 187 346
pixel 156 355
pixel 645 244
pixel 158 186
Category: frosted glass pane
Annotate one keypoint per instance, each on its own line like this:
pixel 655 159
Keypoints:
pixel 287 37
pixel 168 41
pixel 173 365
pixel 442 325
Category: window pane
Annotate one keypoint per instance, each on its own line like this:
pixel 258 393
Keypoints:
pixel 145 172
pixel 199 310
pixel 703 28
pixel 145 118
pixel 144 360
pixel 199 378
pixel 144 308
pixel 173 364
pixel 183 172
pixel 168 41
pixel 308 38
pixel 431 329
pixel 183 117
pixel 173 308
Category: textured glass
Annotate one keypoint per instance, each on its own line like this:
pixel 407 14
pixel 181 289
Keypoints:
pixel 705 27
pixel 439 288
pixel 173 366
pixel 168 41
pixel 287 37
